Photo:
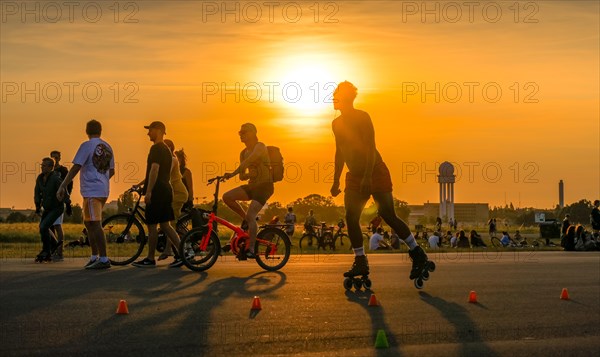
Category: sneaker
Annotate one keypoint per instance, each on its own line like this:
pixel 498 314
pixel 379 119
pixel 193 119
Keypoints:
pixel 226 248
pixel 98 264
pixel 176 263
pixel 250 255
pixel 90 262
pixel 145 263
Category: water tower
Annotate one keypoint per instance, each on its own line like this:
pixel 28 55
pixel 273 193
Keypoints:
pixel 446 178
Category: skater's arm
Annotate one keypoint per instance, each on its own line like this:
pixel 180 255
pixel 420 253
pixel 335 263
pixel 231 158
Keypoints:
pixel 337 168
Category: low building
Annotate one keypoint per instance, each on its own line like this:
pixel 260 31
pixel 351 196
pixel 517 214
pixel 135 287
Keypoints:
pixel 465 213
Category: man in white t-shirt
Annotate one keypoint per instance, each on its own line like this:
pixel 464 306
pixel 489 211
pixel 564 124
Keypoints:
pixel 96 162
pixel 434 241
pixel 376 242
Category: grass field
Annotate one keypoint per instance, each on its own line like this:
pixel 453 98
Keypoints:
pixel 22 241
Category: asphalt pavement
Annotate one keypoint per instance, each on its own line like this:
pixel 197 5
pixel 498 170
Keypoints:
pixel 60 309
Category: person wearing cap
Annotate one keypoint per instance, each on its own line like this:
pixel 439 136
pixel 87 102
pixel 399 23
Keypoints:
pixel 367 176
pixel 254 167
pixel 158 195
pixel 96 161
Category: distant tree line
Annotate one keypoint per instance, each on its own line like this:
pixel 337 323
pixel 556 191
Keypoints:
pixel 20 217
pixel 579 213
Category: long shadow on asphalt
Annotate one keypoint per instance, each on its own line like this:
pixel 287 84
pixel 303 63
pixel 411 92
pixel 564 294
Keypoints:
pixel 377 316
pixel 467 334
pixel 179 317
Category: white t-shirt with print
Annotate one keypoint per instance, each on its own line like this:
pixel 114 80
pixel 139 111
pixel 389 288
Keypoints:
pixel 96 159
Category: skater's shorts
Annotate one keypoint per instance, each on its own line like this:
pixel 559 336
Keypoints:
pixel 381 180
pixel 259 192
pixel 92 208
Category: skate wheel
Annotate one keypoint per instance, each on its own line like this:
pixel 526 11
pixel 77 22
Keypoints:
pixel 425 275
pixel 367 284
pixel 347 283
pixel 419 283
pixel 431 266
pixel 357 284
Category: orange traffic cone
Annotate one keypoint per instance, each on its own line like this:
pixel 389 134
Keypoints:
pixel 564 295
pixel 373 301
pixel 256 303
pixel 473 297
pixel 122 308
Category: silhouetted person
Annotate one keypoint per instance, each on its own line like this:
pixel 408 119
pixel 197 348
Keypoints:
pixel 595 217
pixel 158 196
pixel 186 178
pixel 46 187
pixel 57 227
pixel 367 176
pixel 96 161
pixel 565 224
pixel 290 222
pixel 180 195
pixel 476 240
pixel 254 167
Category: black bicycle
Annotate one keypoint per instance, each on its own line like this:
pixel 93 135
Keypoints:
pixel 125 234
pixel 321 235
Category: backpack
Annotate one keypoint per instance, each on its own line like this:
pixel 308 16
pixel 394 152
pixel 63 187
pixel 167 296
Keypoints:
pixel 276 163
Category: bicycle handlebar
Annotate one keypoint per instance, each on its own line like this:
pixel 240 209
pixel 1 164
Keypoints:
pixel 134 188
pixel 219 178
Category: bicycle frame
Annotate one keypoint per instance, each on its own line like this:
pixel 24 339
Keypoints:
pixel 239 234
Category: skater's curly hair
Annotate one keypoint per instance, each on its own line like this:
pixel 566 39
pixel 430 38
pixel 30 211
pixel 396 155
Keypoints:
pixel 346 90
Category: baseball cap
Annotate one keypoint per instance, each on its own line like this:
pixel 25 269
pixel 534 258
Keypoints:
pixel 157 125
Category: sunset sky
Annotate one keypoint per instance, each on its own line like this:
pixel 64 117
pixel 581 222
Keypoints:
pixel 204 71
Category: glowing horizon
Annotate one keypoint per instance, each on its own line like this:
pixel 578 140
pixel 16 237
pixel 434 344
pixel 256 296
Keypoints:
pixel 520 96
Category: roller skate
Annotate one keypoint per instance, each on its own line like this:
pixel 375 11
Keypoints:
pixel 360 267
pixel 421 267
pixel 43 257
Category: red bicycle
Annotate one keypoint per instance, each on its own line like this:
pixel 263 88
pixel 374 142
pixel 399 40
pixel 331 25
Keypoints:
pixel 201 246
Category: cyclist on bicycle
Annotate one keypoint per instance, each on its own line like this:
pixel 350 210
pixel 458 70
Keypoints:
pixel 310 222
pixel 254 167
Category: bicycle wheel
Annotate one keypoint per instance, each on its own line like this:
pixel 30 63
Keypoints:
pixel 307 242
pixel 193 256
pixel 125 238
pixel 496 242
pixel 272 249
pixel 184 224
pixel 342 240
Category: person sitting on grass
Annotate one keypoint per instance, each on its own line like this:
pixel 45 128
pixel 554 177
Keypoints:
pixel 463 241
pixel 377 242
pixel 434 241
pixel 476 240
pixel 505 239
